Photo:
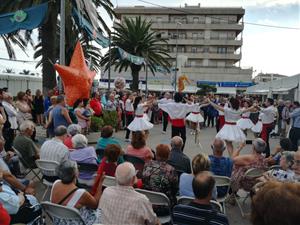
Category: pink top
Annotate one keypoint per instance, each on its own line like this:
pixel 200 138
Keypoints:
pixel 144 153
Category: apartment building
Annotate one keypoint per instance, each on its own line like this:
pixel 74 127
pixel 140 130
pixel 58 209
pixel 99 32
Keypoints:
pixel 209 38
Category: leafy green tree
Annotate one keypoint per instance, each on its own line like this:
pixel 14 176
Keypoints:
pixel 136 37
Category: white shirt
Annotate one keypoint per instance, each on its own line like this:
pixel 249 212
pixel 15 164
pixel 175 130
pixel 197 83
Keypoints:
pixel 165 100
pixel 128 106
pixel 12 114
pixel 178 110
pixel 268 115
pixel 231 115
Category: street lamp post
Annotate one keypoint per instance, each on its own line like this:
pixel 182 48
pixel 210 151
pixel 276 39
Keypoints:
pixel 62 39
pixel 177 35
pixel 109 60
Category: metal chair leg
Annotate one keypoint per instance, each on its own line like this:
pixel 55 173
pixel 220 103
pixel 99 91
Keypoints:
pixel 46 191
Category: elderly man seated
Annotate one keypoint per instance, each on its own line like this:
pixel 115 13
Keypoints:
pixel 24 144
pixel 296 166
pixel 121 204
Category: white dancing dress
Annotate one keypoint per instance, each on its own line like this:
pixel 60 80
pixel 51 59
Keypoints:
pixel 140 121
pixel 245 123
pixel 195 116
pixel 257 128
pixel 230 131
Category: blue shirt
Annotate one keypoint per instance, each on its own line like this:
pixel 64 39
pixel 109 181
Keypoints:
pixel 186 187
pixel 58 117
pixel 295 115
pixel 47 103
pixel 103 142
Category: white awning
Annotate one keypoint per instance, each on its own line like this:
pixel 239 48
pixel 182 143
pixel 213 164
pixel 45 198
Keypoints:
pixel 226 90
pixel 258 92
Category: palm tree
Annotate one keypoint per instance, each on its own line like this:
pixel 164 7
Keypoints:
pixel 49 35
pixel 136 37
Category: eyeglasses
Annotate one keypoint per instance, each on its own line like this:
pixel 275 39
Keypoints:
pixel 297 162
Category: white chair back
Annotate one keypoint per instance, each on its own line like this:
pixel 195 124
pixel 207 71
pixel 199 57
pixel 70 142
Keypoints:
pixel 61 212
pixel 184 200
pixel 254 173
pixel 47 167
pixel 109 181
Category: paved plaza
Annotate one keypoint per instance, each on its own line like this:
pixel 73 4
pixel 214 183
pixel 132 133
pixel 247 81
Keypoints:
pixel 191 149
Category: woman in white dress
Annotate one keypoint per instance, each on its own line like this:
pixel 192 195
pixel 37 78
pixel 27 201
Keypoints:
pixel 245 123
pixel 195 117
pixel 230 132
pixel 140 121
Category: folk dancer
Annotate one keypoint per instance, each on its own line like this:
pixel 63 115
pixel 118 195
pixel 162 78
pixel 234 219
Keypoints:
pixel 166 99
pixel 129 114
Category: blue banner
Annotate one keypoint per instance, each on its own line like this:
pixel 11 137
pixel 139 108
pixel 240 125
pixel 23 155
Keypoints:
pixel 26 19
pixel 132 58
pixel 93 34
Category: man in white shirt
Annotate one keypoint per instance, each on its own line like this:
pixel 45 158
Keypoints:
pixel 129 114
pixel 267 119
pixel 177 112
pixel 166 99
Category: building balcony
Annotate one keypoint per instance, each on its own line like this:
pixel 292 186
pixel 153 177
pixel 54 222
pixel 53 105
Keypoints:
pixel 196 26
pixel 198 55
pixel 209 42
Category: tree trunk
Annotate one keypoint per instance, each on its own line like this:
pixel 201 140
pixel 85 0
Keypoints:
pixel 49 48
pixel 135 71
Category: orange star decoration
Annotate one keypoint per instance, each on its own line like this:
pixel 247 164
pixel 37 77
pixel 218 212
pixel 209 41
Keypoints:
pixel 77 78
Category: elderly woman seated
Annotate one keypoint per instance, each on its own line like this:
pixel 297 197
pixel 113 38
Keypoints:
pixel 18 204
pixel 159 176
pixel 245 162
pixel 285 173
pixel 285 144
pixel 72 130
pixel 83 153
pixel 65 192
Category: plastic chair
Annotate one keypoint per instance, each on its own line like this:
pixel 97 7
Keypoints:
pixel 26 166
pixel 252 173
pixel 61 212
pixel 159 199
pixel 223 181
pixel 47 167
pixel 186 200
pixel 109 181
pixel 86 167
pixel 137 162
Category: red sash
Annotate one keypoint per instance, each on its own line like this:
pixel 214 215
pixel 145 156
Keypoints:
pixel 245 117
pixel 129 113
pixel 230 123
pixel 264 133
pixel 221 121
pixel 195 113
pixel 139 116
pixel 177 122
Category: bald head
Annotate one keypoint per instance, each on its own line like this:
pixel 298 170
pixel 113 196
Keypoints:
pixel 218 145
pixel 176 142
pixel 203 184
pixel 125 174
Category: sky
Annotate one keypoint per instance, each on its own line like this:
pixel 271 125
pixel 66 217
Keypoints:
pixel 266 49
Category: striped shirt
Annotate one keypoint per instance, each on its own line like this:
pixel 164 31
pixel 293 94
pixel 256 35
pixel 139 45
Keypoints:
pixel 197 214
pixel 54 150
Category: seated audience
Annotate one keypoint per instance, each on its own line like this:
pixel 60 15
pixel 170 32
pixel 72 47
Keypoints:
pixel 65 192
pixel 72 130
pixel 219 164
pixel 177 158
pixel 121 204
pixel 24 144
pixel 296 165
pixel 200 163
pixel 54 149
pixel 245 162
pixel 285 173
pixel 276 203
pixel 107 139
pixel 18 204
pixel 138 147
pixel 159 176
pixel 83 153
pixel 285 144
pixel 199 211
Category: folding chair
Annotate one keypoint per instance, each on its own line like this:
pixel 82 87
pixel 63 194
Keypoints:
pixel 26 166
pixel 109 181
pixel 159 199
pixel 55 211
pixel 252 173
pixel 275 167
pixel 223 181
pixel 186 200
pixel 47 167
pixel 137 162
pixel 86 167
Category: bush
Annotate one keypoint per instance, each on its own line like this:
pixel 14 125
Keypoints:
pixel 110 118
pixel 96 123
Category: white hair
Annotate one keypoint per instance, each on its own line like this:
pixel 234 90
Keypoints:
pixel 79 141
pixel 259 145
pixel 27 124
pixel 124 173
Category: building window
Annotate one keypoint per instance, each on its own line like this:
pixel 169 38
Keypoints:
pixel 196 19
pixel 222 50
pixel 158 19
pixel 205 62
pixel 193 63
pixel 195 36
pixel 194 49
pixel 174 49
pixel 205 49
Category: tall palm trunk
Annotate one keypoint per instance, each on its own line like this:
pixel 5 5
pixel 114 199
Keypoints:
pixel 135 71
pixel 49 46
